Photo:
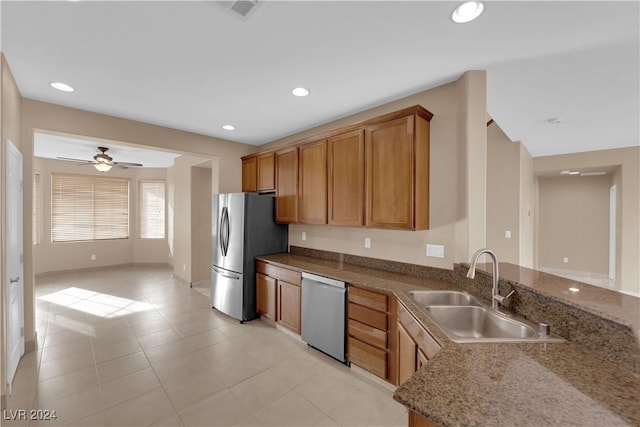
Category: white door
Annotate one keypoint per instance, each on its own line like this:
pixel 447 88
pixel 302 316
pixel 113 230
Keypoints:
pixel 15 272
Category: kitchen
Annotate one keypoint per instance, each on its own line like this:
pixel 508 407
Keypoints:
pixel 456 217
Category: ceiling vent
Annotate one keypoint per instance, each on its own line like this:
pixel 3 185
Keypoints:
pixel 241 7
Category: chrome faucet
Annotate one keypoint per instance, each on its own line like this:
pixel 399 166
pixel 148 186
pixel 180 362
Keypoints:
pixel 496 298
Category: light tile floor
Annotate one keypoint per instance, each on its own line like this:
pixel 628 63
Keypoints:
pixel 131 346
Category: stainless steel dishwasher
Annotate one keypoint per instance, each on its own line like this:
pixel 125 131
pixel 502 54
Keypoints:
pixel 323 315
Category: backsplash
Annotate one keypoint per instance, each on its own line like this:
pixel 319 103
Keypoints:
pixel 381 264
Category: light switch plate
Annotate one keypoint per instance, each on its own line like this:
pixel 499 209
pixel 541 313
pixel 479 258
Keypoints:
pixel 435 251
pixel 367 242
pixel 304 235
pixel 565 260
pixel 507 234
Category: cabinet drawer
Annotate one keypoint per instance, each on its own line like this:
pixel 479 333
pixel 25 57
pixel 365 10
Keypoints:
pixel 425 341
pixel 371 299
pixel 368 316
pixel 368 357
pixel 291 276
pixel 368 334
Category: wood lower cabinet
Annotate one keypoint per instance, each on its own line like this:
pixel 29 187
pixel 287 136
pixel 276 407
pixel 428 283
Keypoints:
pixel 266 296
pixel 249 174
pixel 312 192
pixel 289 304
pixel 346 179
pixel 417 420
pixel 371 337
pixel 415 345
pixel 287 185
pixel 279 295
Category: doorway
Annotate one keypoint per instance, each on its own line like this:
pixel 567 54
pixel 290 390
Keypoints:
pixel 14 261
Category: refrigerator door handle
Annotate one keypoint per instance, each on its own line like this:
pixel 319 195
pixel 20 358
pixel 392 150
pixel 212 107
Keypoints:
pixel 223 274
pixel 224 231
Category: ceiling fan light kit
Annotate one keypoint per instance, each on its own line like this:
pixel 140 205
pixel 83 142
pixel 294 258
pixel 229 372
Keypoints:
pixel 102 161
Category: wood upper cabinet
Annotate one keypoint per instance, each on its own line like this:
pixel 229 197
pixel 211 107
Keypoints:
pixel 249 174
pixel 397 173
pixel 312 193
pixel 287 185
pixel 266 172
pixel 266 294
pixel 346 179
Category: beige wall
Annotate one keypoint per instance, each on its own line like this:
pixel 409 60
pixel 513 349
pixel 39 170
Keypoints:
pixel 628 160
pixel 10 104
pixel 510 198
pixel 49 257
pixel 503 195
pixel 201 223
pixel 182 246
pixel 574 223
pixel 458 134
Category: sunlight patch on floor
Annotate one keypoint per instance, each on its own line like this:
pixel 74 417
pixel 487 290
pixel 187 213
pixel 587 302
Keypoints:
pixel 95 303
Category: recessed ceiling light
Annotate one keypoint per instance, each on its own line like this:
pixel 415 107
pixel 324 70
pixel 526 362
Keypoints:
pixel 62 86
pixel 300 91
pixel 467 12
pixel 229 127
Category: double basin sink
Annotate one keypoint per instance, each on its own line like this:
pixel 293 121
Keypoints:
pixel 464 319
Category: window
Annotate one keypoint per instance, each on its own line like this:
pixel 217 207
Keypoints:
pixel 85 207
pixel 36 220
pixel 151 209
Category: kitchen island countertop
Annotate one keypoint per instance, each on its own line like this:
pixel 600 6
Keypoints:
pixel 534 384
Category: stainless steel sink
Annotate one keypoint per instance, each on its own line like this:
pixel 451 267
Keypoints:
pixel 431 298
pixel 481 324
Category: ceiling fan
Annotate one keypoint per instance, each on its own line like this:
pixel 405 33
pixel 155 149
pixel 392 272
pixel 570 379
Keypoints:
pixel 102 161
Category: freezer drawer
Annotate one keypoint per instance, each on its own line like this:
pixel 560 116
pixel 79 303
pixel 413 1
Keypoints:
pixel 227 292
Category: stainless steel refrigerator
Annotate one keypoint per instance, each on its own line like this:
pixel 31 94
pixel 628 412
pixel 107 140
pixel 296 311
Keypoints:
pixel 242 228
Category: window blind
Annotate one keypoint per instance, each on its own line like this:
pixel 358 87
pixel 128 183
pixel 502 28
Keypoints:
pixel 151 208
pixel 85 207
pixel 36 225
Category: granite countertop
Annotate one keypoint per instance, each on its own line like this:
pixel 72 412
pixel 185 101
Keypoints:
pixel 506 384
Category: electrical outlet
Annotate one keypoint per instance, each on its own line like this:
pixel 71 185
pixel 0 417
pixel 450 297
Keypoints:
pixel 367 242
pixel 93 257
pixel 507 234
pixel 565 260
pixel 435 251
pixel 184 267
pixel 304 235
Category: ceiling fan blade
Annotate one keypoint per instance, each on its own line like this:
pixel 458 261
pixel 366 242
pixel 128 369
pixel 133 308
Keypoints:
pixel 127 164
pixel 75 160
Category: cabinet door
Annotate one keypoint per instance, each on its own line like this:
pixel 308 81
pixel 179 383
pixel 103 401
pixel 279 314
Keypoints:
pixel 346 179
pixel 266 296
pixel 266 172
pixel 406 355
pixel 249 174
pixel 289 306
pixel 287 185
pixel 389 174
pixel 313 183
